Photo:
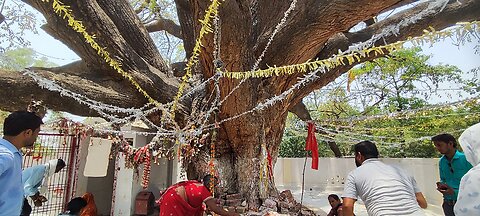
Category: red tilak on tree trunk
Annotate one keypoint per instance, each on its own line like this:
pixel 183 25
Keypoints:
pixel 312 144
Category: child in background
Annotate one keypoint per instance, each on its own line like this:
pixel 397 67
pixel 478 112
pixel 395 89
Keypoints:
pixel 336 204
pixel 74 207
pixel 90 209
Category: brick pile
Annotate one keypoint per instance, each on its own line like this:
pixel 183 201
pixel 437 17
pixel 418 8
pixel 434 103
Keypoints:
pixel 284 204
pixel 233 202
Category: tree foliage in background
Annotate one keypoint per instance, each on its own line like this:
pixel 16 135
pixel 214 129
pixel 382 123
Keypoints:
pixel 19 20
pixel 17 59
pixel 23 58
pixel 293 142
pixel 400 82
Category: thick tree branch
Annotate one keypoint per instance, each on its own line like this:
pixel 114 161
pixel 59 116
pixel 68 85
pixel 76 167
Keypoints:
pixel 151 77
pixel 162 24
pixel 133 31
pixel 301 111
pixel 308 29
pixel 453 13
pixel 311 24
pixel 22 88
pixel 399 4
pixel 178 68
pixel 188 18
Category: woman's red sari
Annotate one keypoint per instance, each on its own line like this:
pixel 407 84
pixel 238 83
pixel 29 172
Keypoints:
pixel 172 204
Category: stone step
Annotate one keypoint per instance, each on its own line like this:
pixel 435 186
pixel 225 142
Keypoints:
pixel 234 196
pixel 241 209
pixel 233 202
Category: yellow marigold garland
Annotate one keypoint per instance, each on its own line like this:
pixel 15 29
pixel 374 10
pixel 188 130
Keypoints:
pixel 430 35
pixel 206 28
pixel 63 11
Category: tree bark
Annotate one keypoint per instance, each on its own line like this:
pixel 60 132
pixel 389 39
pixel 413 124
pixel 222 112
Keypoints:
pixel 167 25
pixel 18 90
pixel 314 29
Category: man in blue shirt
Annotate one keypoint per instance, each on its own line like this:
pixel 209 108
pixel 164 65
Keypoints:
pixel 20 129
pixel 453 166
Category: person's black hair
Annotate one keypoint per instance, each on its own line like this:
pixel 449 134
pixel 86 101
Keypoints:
pixel 61 164
pixel 446 138
pixel 367 148
pixel 207 179
pixel 76 204
pixel 334 196
pixel 19 121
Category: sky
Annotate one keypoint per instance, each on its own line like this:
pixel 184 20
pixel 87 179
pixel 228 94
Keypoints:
pixel 444 52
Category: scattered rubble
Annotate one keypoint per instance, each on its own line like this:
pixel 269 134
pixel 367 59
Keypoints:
pixel 284 204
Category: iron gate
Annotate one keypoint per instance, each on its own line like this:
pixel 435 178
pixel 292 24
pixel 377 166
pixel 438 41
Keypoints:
pixel 61 186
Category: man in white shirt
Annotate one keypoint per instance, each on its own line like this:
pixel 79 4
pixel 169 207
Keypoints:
pixel 385 189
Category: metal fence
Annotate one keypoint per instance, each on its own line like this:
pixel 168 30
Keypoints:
pixel 61 186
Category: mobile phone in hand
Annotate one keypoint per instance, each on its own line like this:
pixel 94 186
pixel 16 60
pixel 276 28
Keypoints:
pixel 442 186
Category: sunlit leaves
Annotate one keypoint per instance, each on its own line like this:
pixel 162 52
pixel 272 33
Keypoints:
pixel 19 20
pixel 403 81
pixel 21 58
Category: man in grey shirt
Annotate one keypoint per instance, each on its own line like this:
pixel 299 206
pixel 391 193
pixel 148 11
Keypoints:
pixel 385 189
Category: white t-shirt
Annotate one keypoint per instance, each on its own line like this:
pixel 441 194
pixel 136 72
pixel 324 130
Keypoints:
pixel 385 189
pixel 468 202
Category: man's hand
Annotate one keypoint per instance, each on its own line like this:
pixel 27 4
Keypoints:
pixel 38 199
pixel 37 202
pixel 445 189
pixel 42 198
pixel 448 191
pixel 212 205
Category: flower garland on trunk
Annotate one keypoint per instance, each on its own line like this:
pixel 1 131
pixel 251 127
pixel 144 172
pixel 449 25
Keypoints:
pixel 211 164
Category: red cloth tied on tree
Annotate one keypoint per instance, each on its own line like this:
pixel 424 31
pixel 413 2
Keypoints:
pixel 312 144
pixel 270 166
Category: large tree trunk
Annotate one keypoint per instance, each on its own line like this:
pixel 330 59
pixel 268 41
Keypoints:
pixel 314 29
pixel 245 138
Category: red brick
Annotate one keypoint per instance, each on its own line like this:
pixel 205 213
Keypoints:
pixel 234 196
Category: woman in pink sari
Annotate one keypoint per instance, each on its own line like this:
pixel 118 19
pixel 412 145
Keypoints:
pixel 187 198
